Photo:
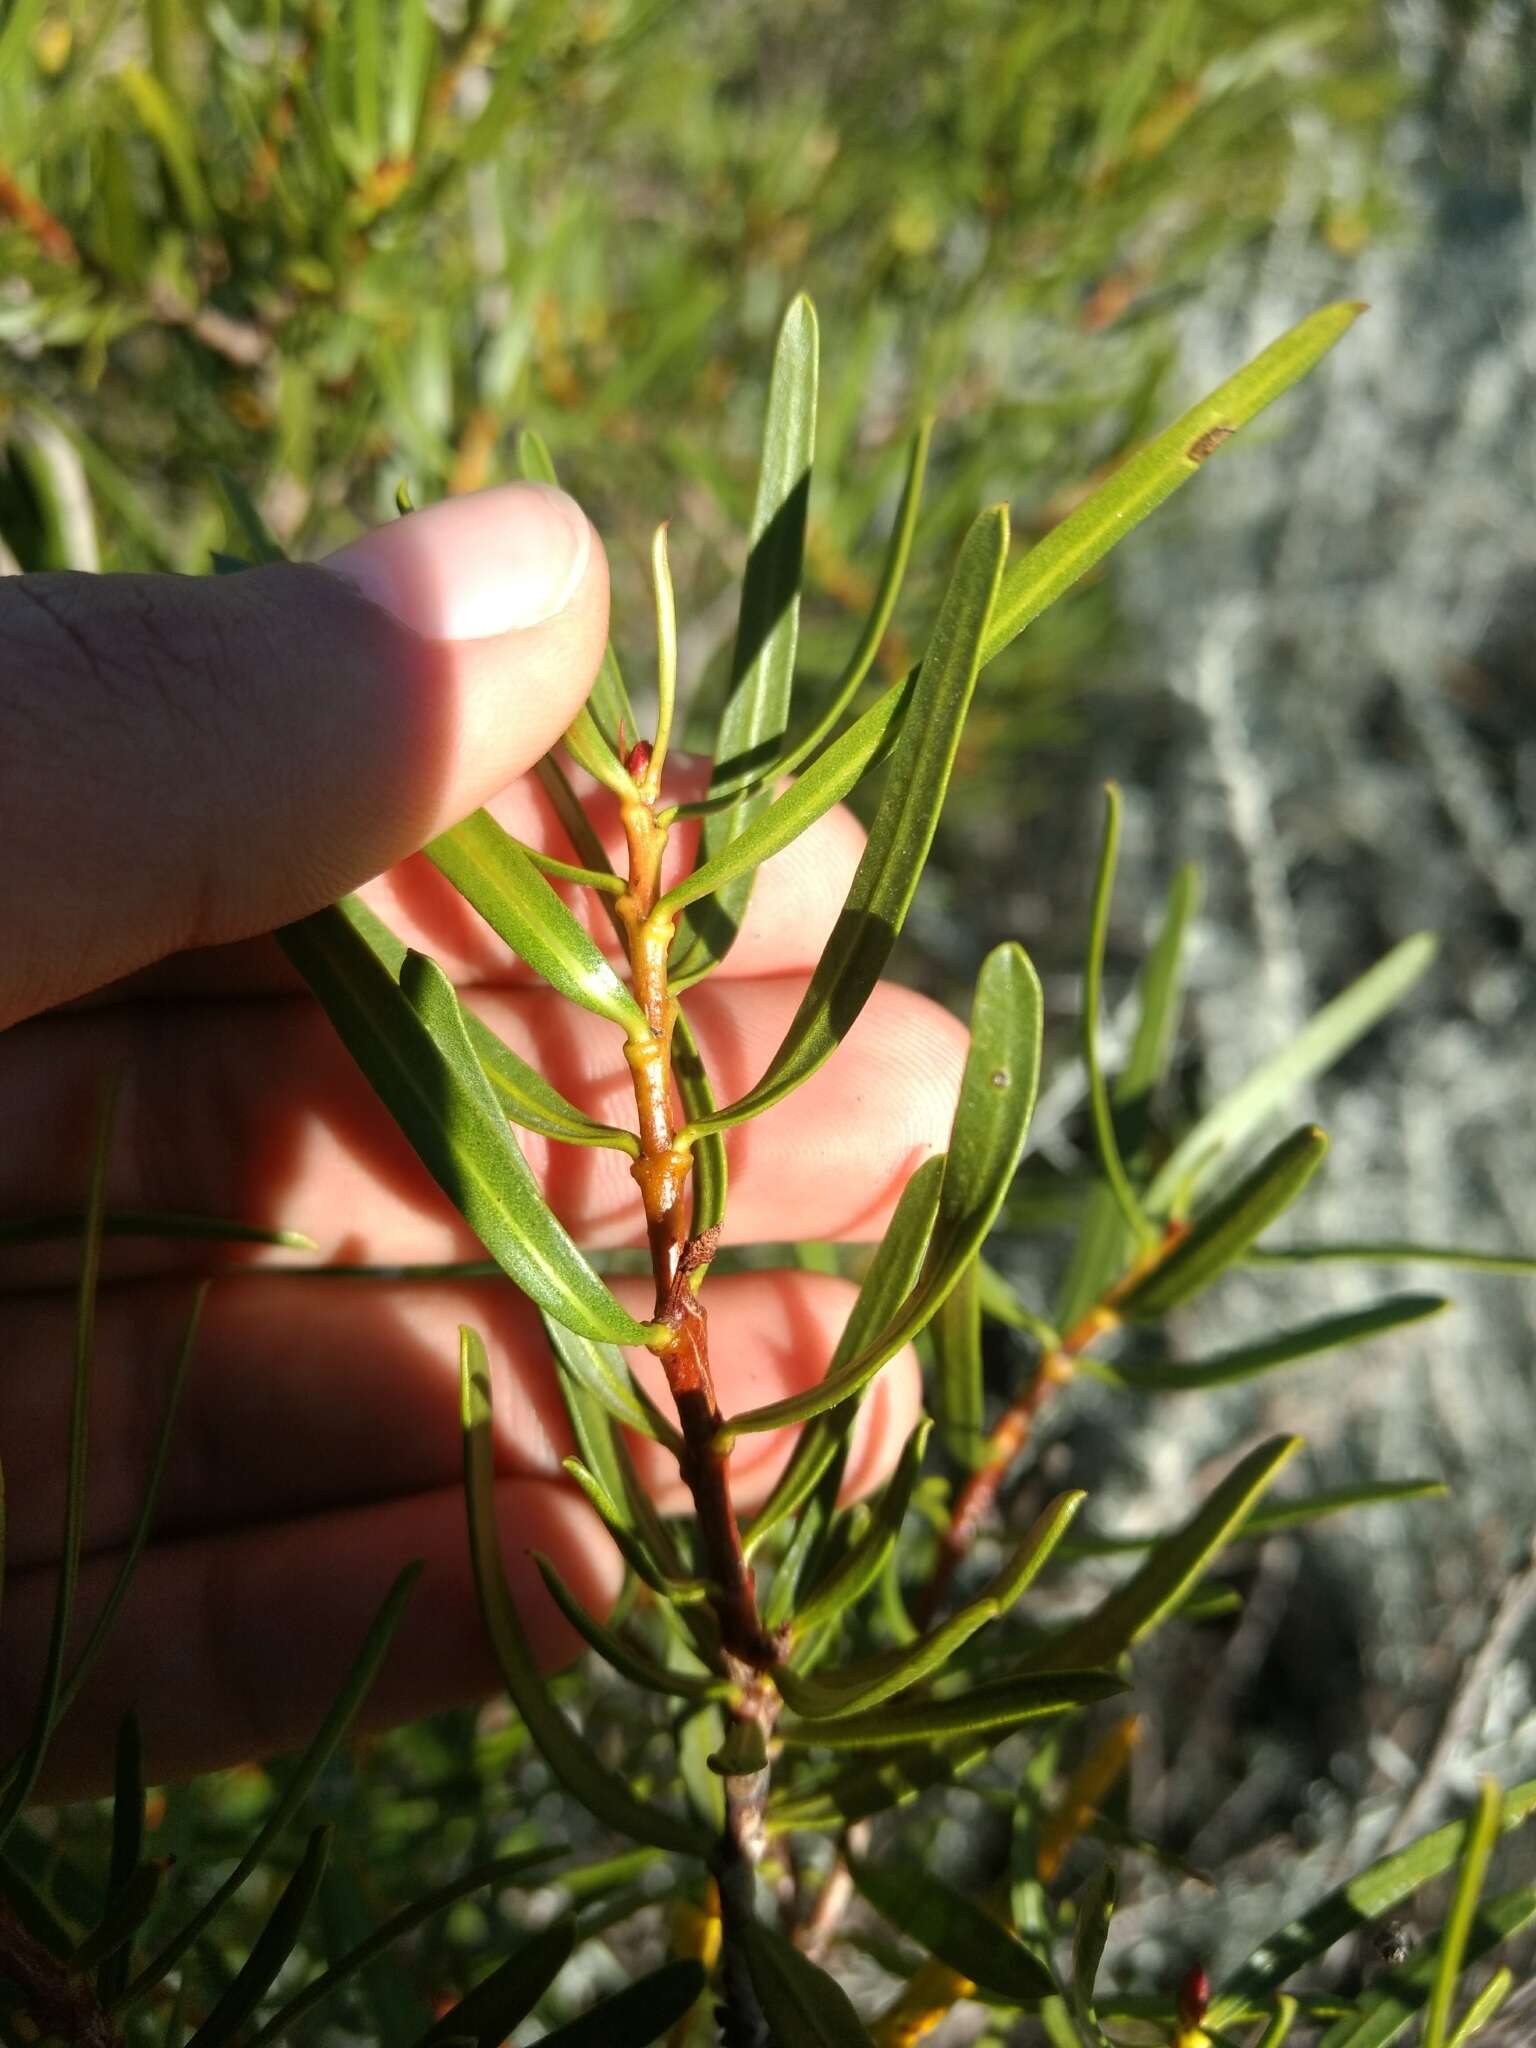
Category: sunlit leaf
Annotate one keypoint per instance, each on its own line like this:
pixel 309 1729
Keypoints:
pixel 756 710
pixel 1141 484
pixel 1390 2005
pixel 959 1395
pixel 1219 1237
pixel 600 1368
pixel 952 1927
pixel 1355 1904
pixel 1204 1153
pixel 1482 1833
pixel 902 830
pixel 1003 1703
pixel 410 1040
pixel 1286 1514
pixel 1170 1569
pixel 491 871
pixel 599 1789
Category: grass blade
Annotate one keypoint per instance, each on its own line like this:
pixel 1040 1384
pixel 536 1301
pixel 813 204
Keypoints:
pixel 902 831
pixel 756 711
pixel 491 871
pixel 272 1948
pixel 1366 1897
pixel 1205 1151
pixel 295 1790
pixel 599 1789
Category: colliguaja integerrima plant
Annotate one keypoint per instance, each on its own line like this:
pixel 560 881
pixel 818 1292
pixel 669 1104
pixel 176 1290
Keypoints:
pixel 807 1676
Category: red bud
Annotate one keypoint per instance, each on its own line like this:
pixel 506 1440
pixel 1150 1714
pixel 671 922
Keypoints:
pixel 639 758
pixel 1194 1996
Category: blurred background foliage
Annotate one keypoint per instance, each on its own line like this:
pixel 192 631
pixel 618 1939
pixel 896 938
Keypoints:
pixel 328 247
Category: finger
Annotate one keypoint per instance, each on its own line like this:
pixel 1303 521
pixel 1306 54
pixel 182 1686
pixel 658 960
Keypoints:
pixel 254 1111
pixel 190 760
pixel 794 903
pixel 233 1646
pixel 307 1395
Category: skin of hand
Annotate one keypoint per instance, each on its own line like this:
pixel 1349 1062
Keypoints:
pixel 186 764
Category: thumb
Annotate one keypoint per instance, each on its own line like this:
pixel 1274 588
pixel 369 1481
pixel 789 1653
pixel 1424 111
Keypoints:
pixel 190 760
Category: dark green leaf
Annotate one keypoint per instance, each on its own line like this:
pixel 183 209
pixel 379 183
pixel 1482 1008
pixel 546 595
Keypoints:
pixel 568 1756
pixel 1204 1153
pixel 1244 1361
pixel 410 1041
pixel 1141 484
pixel 902 830
pixel 997 1098
pixel 68 1223
pixel 1093 975
pixel 634 1664
pixel 804 2007
pixel 1170 1569
pixel 1364 1898
pixel 499 1872
pixel 1391 1253
pixel 127 1847
pixel 272 1948
pixel 959 1393
pixel 849 1580
pixel 522 1091
pixel 1394 2001
pixel 489 2013
pixel 1095 1910
pixel 756 710
pixel 600 1368
pixel 710 1176
pixel 891 1275
pixel 637 2016
pixel 1219 1238
pixel 296 1789
pixel 491 871
pixel 1286 1514
pixel 953 1927
pixel 127 1910
pixel 1002 1704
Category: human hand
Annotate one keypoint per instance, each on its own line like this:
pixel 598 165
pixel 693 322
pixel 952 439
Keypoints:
pixel 188 763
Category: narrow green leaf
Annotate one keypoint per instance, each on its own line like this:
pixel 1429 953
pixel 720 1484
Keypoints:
pixel 633 1664
pixel 953 1927
pixel 804 2007
pixel 1093 975
pixel 500 1872
pixel 127 1848
pixel 296 1789
pixel 1170 1569
pixel 1366 1897
pixel 410 1040
pixel 588 748
pixel 1393 1253
pixel 254 530
pixel 1219 1238
pixel 55 1224
pixel 491 871
pixel 111 1607
pixel 637 1553
pixel 568 1756
pixel 1141 484
pixel 1002 1704
pixel 638 2015
pixel 866 1684
pixel 991 1123
pixel 365 77
pixel 849 1580
pixel 1482 1833
pixel 522 1091
pixel 21 1775
pixel 1205 1151
pixel 1245 1361
pixel 106 1945
pixel 1095 1911
pixel 1000 1301
pixel 710 1173
pixel 756 710
pixel 1483 2007
pixel 1159 992
pixel 1390 2006
pixel 498 2002
pixel 271 1949
pixel 1287 1514
pixel 1280 2026
pixel 892 1273
pixel 785 817
pixel 902 831
pixel 959 1395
